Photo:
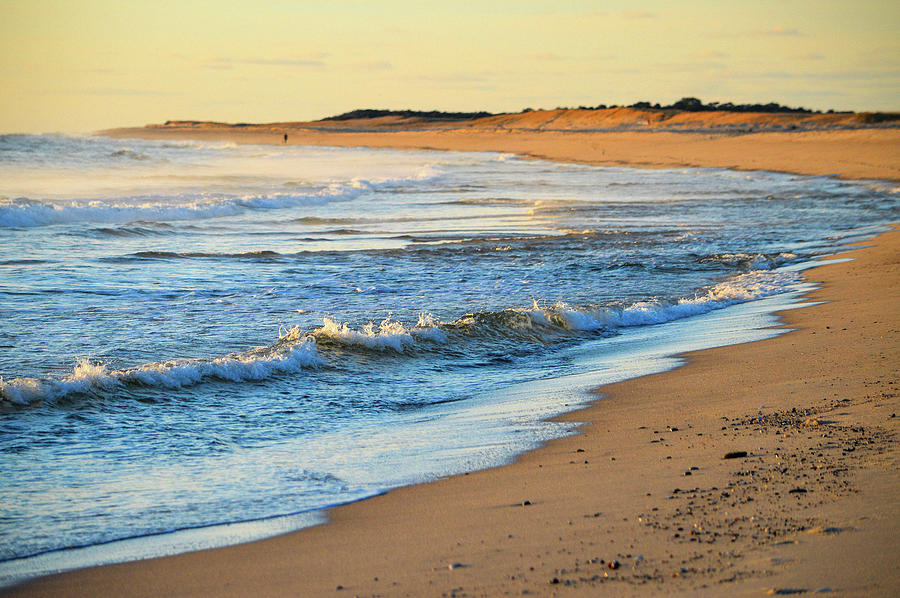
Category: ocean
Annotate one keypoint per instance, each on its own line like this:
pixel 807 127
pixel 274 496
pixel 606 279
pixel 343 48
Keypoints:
pixel 203 343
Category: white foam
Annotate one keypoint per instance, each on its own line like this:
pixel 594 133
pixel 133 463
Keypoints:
pixel 375 289
pixel 759 261
pixel 188 206
pixel 296 351
pixel 551 320
pixel 30 213
pixel 386 335
pixel 389 334
pixel 747 287
pixel 428 328
pixel 290 355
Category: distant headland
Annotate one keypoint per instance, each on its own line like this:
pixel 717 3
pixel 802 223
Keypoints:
pixel 688 133
pixel 686 115
pixel 688 104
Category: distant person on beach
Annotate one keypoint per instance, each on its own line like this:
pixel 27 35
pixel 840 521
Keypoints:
pixel 285 138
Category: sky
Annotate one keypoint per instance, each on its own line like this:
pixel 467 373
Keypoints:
pixel 80 66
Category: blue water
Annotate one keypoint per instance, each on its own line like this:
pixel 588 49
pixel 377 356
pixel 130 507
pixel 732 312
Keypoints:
pixel 194 335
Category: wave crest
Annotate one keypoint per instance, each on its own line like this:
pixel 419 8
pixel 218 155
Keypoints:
pixel 297 350
pixel 289 355
pixel 25 212
pixel 388 334
pixel 751 261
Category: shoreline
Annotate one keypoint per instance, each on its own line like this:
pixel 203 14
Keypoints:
pixel 480 521
pixel 736 324
pixel 609 492
pixel 858 153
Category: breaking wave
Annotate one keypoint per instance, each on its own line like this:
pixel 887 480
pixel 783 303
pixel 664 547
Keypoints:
pixel 25 212
pixel 388 334
pixel 550 322
pixel 292 353
pixel 297 350
pixel 172 255
pixel 751 261
pixel 130 154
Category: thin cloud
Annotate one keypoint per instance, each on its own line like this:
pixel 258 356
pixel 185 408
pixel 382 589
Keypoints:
pixel 545 56
pixel 301 62
pixel 825 93
pixel 121 92
pixel 869 76
pixel 777 31
pixel 705 67
pixel 218 64
pixel 709 54
pixel 227 63
pixel 639 14
pixel 592 14
pixel 455 78
pixel 373 65
pixel 480 81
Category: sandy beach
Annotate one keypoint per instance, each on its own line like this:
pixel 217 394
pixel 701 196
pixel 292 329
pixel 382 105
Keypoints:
pixel 764 468
pixel 838 145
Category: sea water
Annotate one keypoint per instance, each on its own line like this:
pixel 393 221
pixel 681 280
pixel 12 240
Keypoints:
pixel 227 339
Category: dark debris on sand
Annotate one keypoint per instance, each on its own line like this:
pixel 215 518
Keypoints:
pixel 771 497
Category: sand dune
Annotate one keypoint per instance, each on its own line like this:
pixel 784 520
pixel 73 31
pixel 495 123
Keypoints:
pixel 610 119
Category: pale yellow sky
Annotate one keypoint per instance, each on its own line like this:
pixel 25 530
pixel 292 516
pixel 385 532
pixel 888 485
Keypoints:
pixel 79 66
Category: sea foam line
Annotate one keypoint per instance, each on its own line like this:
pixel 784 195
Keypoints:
pixel 290 355
pixel 545 323
pixel 740 289
pixel 32 213
pixel 296 350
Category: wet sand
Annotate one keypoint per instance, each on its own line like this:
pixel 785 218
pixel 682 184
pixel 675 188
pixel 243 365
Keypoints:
pixel 642 501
